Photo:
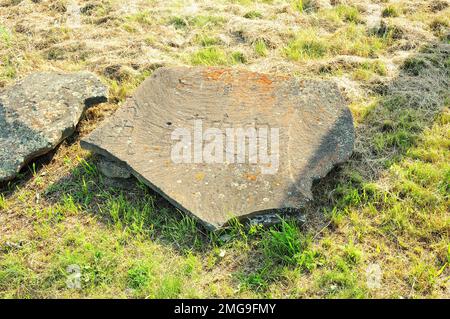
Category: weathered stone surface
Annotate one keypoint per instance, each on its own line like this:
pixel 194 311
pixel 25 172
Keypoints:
pixel 113 169
pixel 315 133
pixel 40 111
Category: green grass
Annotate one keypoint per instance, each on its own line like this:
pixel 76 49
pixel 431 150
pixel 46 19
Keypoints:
pixel 354 40
pixel 8 69
pixel 5 36
pixel 143 17
pixel 253 15
pixel 260 48
pixel 3 203
pixel 350 40
pixel 301 5
pixel 390 11
pixel 285 244
pixel 348 13
pixel 414 66
pixel 178 22
pixel 366 71
pixel 199 21
pixel 209 56
pixel 307 45
pixel 238 57
pixel 8 60
pixel 214 56
pixel 139 276
pixel 208 21
pixel 206 40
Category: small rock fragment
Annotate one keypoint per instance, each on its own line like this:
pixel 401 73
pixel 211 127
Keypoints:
pixel 113 169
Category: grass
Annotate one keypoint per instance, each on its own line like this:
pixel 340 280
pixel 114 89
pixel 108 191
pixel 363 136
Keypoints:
pixel 390 11
pixel 5 36
pixel 387 207
pixel 3 204
pixel 214 56
pixel 284 245
pixel 348 13
pixel 253 15
pixel 199 21
pixel 304 6
pixel 206 40
pixel 261 48
pixel 307 45
pixel 178 22
pixel 209 56
pixel 355 40
pixel 207 21
pixel 350 40
pixel 366 70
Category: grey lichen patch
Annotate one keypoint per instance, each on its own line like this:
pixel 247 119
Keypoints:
pixel 113 169
pixel 39 112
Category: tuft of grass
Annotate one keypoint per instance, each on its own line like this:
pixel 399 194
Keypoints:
pixel 178 22
pixel 302 5
pixel 366 70
pixel 423 277
pixel 348 13
pixel 124 84
pixel 390 11
pixel 439 25
pixel 260 48
pixel 354 40
pixel 207 40
pixel 142 17
pixel 340 283
pixel 350 40
pixel 69 206
pixel 257 280
pixel 183 232
pixel 307 45
pixel 8 67
pixel 3 203
pixel 203 21
pixel 352 254
pixel 119 92
pixel 253 15
pixel 209 56
pixel 96 266
pixel 284 244
pixel 132 217
pixel 5 36
pixel 238 57
pixel 13 273
pixel 170 288
pixel 138 276
pixel 309 259
pixel 414 66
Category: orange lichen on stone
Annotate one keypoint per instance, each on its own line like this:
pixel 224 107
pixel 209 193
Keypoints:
pixel 251 177
pixel 264 80
pixel 200 176
pixel 214 73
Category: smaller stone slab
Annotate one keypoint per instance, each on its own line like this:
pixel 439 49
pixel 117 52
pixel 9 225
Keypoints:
pixel 113 169
pixel 39 112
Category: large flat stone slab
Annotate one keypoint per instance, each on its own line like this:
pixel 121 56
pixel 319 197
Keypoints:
pixel 39 112
pixel 309 118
